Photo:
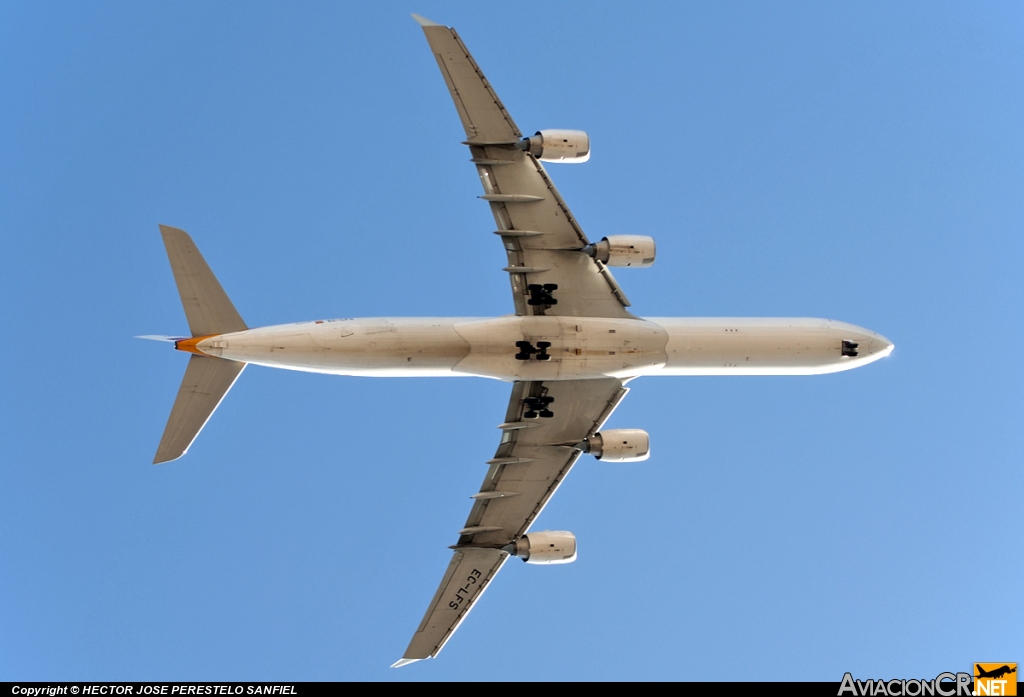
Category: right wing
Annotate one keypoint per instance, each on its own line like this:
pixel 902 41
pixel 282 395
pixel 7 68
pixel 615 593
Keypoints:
pixel 532 460
pixel 542 239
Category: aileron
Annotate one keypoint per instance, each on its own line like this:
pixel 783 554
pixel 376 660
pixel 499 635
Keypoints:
pixel 482 114
pixel 465 580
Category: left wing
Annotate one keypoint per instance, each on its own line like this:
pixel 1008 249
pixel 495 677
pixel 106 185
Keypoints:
pixel 531 462
pixel 541 237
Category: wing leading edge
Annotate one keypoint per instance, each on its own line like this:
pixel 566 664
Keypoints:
pixel 531 461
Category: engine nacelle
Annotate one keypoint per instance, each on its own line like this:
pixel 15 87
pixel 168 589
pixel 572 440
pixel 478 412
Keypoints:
pixel 558 146
pixel 624 250
pixel 620 445
pixel 546 547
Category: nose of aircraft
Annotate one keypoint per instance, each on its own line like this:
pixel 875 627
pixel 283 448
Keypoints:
pixel 878 345
pixel 871 345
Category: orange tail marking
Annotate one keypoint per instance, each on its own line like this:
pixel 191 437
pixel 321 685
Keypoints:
pixel 189 345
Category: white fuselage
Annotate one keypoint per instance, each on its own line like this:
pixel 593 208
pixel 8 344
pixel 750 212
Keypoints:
pixel 580 347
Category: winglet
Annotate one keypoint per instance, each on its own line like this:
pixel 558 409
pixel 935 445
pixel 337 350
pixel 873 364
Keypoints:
pixel 423 22
pixel 405 661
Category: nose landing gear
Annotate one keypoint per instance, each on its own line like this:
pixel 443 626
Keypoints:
pixel 850 349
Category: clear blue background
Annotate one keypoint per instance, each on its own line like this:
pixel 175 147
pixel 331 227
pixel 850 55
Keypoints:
pixel 863 162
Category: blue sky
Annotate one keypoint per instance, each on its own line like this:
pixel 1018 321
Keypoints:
pixel 863 162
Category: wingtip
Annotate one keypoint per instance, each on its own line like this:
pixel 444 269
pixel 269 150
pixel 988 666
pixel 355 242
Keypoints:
pixel 166 230
pixel 404 661
pixel 424 22
pixel 161 458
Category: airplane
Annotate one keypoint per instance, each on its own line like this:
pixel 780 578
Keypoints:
pixel 567 351
pixel 995 673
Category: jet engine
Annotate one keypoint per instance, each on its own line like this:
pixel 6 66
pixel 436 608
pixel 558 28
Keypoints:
pixel 620 445
pixel 546 547
pixel 623 250
pixel 558 146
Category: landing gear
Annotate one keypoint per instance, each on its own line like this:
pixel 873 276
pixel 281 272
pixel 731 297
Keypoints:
pixel 849 348
pixel 538 406
pixel 526 350
pixel 541 294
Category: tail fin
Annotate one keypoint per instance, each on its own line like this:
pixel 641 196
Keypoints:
pixel 207 378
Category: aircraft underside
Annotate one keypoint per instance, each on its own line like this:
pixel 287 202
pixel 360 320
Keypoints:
pixel 554 348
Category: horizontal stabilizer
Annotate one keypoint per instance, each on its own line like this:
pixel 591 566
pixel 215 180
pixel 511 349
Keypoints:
pixel 207 307
pixel 207 380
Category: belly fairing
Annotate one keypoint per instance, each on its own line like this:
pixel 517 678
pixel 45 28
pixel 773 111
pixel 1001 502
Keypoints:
pixel 577 347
